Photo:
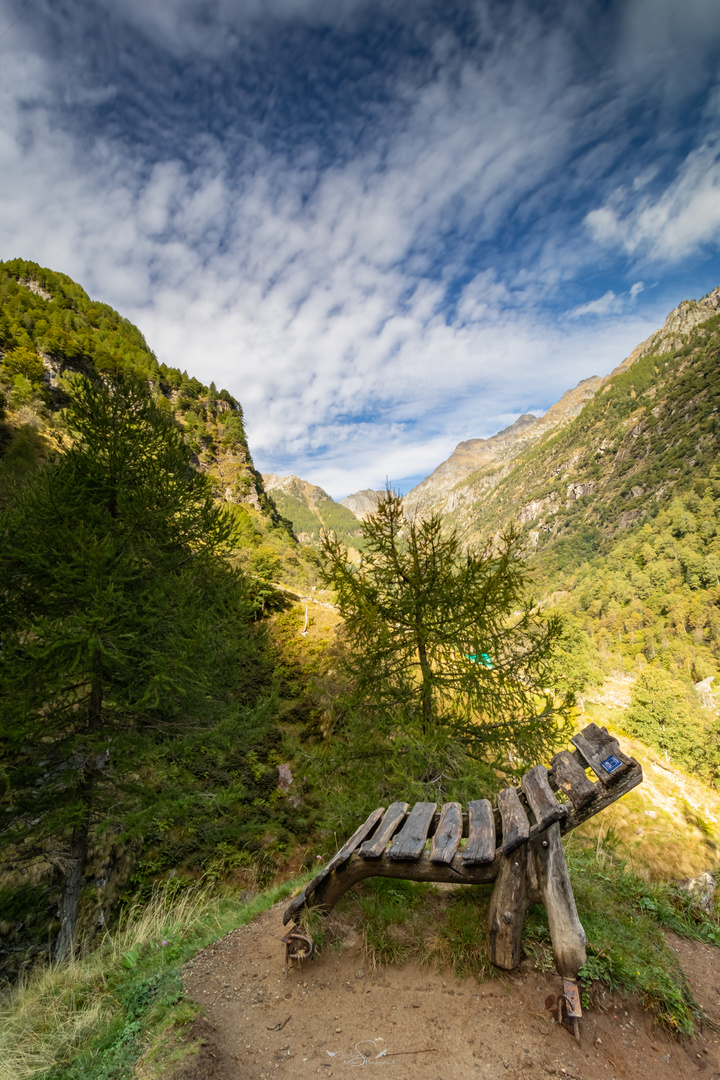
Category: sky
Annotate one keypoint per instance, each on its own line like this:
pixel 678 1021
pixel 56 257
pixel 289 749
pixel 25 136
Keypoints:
pixel 385 227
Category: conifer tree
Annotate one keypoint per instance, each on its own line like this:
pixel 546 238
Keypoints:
pixel 438 638
pixel 120 620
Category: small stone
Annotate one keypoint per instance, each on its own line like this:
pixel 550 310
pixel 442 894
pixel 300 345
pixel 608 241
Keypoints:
pixel 359 974
pixel 338 1031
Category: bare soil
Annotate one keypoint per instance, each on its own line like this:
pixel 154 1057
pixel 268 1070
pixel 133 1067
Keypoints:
pixel 261 1021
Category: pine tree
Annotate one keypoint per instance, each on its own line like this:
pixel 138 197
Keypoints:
pixel 120 618
pixel 437 638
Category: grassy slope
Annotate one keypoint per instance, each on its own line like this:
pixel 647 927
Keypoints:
pixel 92 1017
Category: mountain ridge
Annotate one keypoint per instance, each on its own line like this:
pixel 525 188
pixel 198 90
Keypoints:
pixel 438 491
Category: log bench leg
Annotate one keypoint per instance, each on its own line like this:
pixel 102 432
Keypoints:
pixel 566 931
pixel 513 893
pixel 536 873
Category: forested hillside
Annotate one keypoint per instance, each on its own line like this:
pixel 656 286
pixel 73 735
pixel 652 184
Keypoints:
pixel 311 510
pixel 107 585
pixel 50 329
pixel 621 512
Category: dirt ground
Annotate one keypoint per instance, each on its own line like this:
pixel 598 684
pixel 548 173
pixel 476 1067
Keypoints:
pixel 336 1013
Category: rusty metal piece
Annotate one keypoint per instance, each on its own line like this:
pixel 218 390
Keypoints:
pixel 293 942
pixel 571 994
pixel 569 1008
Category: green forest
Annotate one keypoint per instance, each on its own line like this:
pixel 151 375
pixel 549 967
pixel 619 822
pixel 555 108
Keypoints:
pixel 626 540
pixel 188 682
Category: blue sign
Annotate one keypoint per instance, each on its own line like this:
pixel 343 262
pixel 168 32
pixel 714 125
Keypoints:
pixel 610 764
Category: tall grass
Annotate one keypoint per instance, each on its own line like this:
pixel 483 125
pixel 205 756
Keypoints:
pixel 92 1016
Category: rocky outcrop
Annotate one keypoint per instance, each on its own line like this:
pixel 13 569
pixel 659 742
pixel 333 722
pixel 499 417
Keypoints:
pixel 537 508
pixel 681 321
pixel 361 503
pixel 492 456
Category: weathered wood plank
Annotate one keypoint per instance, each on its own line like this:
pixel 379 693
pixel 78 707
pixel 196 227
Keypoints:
pixel 481 833
pixel 542 802
pixel 570 777
pixel 566 931
pixel 515 824
pixel 602 753
pixel 512 895
pixel 391 822
pixel 448 833
pixel 337 860
pixel 409 843
pixel 357 868
pixel 602 797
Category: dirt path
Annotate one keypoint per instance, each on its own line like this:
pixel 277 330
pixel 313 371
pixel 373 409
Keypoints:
pixel 419 1024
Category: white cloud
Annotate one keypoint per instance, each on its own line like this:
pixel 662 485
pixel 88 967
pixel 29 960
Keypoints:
pixel 608 304
pixel 682 219
pixel 319 297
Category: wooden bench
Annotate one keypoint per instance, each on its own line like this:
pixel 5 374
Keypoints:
pixel 516 844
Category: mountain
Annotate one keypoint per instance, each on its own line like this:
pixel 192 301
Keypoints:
pixel 619 507
pixel 361 503
pixel 488 459
pixel 50 330
pixel 310 509
pixel 479 464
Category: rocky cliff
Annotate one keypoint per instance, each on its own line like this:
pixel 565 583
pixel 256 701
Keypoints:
pixel 486 461
pixel 361 503
pixel 477 465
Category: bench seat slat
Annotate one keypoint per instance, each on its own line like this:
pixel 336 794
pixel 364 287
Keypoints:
pixel 409 843
pixel 448 833
pixel 481 833
pixel 602 753
pixel 542 802
pixel 515 823
pixel 570 777
pixel 391 822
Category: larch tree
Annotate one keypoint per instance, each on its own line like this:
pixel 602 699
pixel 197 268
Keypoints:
pixel 437 638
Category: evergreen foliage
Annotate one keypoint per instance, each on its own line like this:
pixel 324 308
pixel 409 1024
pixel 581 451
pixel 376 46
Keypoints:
pixel 441 639
pixel 123 623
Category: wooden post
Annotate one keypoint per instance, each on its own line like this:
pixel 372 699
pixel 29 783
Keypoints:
pixel 553 882
pixel 515 889
pixel 536 873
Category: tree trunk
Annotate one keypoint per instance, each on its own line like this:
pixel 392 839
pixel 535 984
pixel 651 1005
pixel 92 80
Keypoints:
pixel 70 902
pixel 426 687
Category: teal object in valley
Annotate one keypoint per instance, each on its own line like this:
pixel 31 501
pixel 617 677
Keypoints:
pixel 482 658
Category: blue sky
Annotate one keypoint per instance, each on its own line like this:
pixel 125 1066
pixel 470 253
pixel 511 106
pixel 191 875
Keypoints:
pixel 385 227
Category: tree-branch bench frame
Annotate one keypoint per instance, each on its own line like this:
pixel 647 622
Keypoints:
pixel 516 844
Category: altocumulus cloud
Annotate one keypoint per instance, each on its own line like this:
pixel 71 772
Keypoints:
pixel 384 227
